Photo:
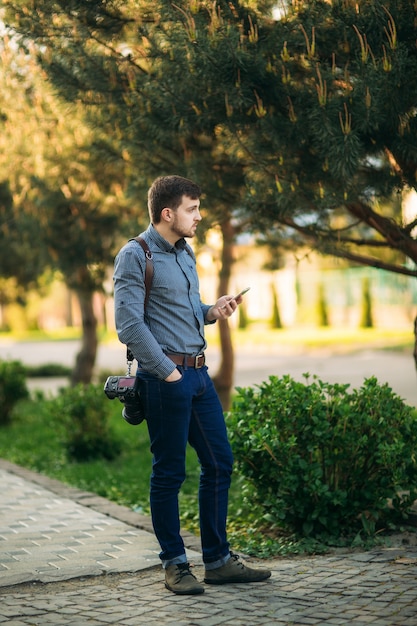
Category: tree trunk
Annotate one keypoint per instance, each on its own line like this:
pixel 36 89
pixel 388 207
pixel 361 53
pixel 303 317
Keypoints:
pixel 86 358
pixel 223 379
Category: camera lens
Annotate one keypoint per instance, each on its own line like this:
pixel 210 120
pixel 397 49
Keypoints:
pixel 132 414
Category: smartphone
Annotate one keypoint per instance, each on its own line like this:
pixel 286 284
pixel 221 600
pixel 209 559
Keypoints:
pixel 241 293
pixel 237 296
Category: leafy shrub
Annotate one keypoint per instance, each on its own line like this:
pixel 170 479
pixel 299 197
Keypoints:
pixel 243 316
pixel 366 315
pixel 12 388
pixel 323 461
pixel 322 307
pixel 85 412
pixel 276 317
pixel 47 370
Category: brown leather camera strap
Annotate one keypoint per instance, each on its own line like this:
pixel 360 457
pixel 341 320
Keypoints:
pixel 148 282
pixel 148 268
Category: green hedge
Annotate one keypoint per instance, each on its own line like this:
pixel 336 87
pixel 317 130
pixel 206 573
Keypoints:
pixel 323 460
pixel 84 412
pixel 12 388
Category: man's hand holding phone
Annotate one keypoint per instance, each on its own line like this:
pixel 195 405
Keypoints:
pixel 225 306
pixel 238 297
pixel 240 294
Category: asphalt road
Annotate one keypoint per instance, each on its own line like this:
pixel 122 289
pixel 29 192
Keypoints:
pixel 252 366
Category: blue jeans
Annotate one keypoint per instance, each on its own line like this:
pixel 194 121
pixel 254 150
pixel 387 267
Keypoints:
pixel 187 410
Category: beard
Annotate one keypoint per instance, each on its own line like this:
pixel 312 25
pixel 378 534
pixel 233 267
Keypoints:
pixel 180 230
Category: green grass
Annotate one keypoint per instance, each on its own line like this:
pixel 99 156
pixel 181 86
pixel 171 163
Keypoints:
pixel 259 334
pixel 33 441
pixel 261 337
pixel 59 334
pixel 310 337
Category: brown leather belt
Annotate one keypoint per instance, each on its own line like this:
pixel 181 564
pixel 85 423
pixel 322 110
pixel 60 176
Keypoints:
pixel 188 361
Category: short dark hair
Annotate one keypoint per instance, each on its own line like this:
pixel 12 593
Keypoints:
pixel 167 191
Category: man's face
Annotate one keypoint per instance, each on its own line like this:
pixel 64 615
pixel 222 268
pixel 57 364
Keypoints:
pixel 186 217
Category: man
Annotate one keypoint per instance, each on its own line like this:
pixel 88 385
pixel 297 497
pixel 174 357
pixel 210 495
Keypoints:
pixel 179 399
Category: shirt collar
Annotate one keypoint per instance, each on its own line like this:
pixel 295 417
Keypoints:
pixel 162 243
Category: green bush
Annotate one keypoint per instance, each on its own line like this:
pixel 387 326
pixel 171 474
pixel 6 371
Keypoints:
pixel 85 413
pixel 322 308
pixel 325 461
pixel 243 316
pixel 12 388
pixel 276 317
pixel 366 315
pixel 47 370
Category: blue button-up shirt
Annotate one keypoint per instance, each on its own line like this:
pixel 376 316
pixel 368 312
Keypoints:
pixel 174 319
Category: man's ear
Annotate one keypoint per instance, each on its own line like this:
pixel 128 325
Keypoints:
pixel 166 214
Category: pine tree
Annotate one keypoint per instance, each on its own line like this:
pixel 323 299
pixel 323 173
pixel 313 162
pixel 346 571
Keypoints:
pixel 60 202
pixel 314 113
pixel 333 133
pixel 304 125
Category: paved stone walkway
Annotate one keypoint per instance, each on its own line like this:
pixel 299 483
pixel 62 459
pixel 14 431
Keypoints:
pixel 70 558
pixel 48 538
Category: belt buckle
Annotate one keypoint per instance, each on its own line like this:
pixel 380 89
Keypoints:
pixel 199 361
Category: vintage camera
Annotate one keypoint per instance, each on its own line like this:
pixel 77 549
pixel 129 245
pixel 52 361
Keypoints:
pixel 126 388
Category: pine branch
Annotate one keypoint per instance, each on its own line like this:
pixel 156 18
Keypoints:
pixel 410 227
pixel 316 240
pixel 372 262
pixel 386 227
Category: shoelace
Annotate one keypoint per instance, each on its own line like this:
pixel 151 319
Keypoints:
pixel 236 559
pixel 184 570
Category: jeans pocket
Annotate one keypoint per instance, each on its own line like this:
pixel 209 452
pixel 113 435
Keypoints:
pixel 174 382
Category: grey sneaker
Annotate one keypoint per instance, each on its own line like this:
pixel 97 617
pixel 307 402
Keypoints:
pixel 180 580
pixel 234 571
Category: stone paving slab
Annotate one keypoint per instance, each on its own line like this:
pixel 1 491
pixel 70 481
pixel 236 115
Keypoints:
pixel 332 590
pixel 44 537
